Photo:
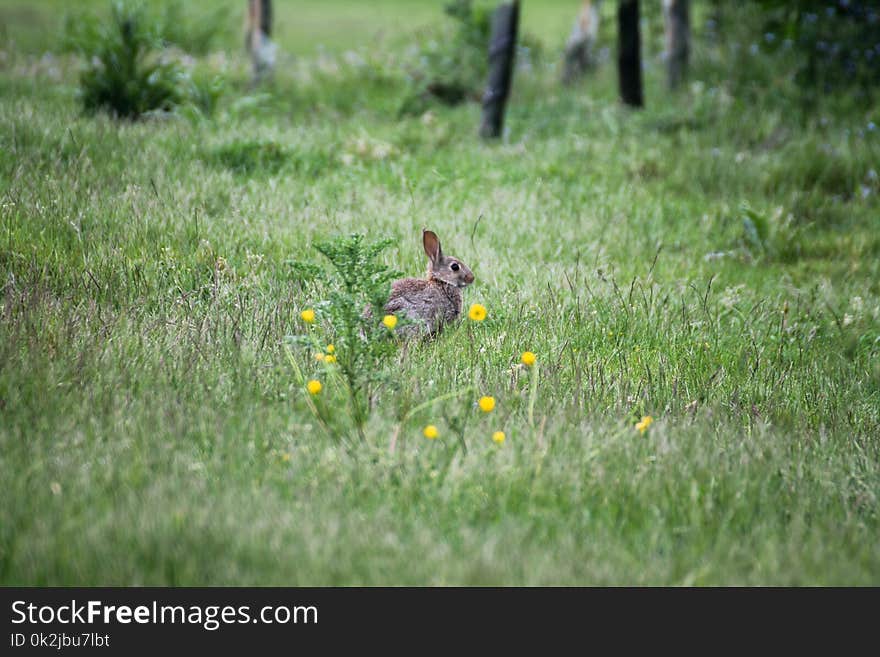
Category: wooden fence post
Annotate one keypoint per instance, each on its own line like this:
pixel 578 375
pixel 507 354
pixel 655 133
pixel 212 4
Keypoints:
pixel 676 15
pixel 579 56
pixel 502 49
pixel 629 55
pixel 258 42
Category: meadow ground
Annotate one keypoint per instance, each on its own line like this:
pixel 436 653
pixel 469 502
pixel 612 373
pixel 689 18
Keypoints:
pixel 711 261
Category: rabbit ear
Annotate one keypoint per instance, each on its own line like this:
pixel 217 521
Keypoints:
pixel 432 245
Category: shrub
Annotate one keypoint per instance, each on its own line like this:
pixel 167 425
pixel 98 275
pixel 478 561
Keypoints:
pixel 838 43
pixel 811 50
pixel 195 33
pixel 126 74
pixel 453 64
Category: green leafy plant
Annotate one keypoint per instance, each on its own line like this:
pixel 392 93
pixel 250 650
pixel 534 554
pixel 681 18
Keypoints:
pixel 204 91
pixel 126 73
pixel 349 318
pixel 771 236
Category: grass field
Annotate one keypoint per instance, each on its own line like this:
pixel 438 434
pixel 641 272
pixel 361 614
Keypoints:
pixel 712 261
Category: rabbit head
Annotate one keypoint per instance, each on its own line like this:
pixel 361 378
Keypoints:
pixel 447 269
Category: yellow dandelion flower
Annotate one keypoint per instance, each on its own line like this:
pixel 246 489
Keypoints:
pixel 477 312
pixel 487 404
pixel 642 426
pixel 498 437
pixel 329 358
pixel 308 315
pixel 314 387
pixel 528 358
pixel 319 356
pixel 390 321
pixel 430 432
pixel 330 348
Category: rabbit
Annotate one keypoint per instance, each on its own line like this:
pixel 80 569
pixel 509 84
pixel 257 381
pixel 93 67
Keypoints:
pixel 432 302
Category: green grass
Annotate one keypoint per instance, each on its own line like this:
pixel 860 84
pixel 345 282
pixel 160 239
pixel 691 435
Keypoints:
pixel 152 431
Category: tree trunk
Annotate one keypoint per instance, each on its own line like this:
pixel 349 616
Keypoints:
pixel 676 15
pixel 260 46
pixel 579 55
pixel 502 49
pixel 629 55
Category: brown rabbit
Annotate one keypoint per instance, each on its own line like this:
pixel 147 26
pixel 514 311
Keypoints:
pixel 434 301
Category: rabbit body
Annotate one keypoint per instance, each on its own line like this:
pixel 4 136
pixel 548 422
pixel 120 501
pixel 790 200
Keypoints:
pixel 431 302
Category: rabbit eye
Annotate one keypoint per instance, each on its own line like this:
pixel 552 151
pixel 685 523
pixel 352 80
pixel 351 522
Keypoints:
pixel 454 266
